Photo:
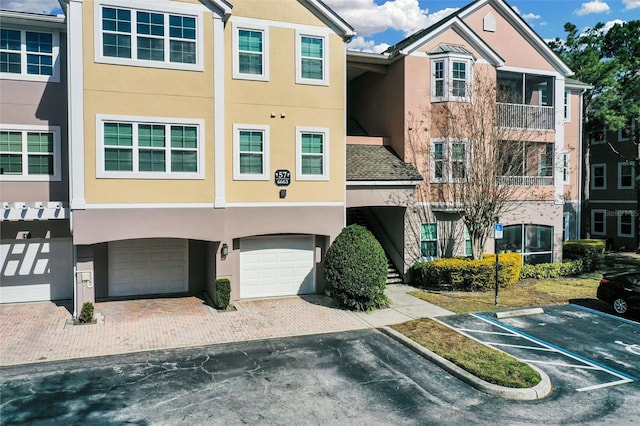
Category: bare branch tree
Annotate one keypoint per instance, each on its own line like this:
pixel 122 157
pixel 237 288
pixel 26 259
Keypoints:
pixel 479 158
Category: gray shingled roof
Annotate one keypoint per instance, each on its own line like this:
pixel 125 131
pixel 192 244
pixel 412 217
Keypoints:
pixel 377 163
pixel 451 48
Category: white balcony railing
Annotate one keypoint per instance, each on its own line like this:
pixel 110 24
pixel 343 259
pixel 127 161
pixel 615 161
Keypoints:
pixel 526 180
pixel 531 117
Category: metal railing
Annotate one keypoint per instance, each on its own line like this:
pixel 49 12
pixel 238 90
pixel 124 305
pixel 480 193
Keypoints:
pixel 518 116
pixel 526 180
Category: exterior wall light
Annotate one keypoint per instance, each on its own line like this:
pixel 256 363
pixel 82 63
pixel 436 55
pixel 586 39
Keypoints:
pixel 225 250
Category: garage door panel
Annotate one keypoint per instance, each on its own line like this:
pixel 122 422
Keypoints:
pixel 36 270
pixel 148 266
pixel 277 266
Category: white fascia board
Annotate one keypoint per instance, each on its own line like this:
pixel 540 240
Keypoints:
pixel 467 33
pixel 345 30
pixel 223 6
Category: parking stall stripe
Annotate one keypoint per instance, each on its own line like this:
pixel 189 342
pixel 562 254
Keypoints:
pixel 604 314
pixel 497 333
pixel 533 348
pixel 570 354
pixel 563 364
pixel 603 385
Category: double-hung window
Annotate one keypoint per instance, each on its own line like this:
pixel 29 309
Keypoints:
pixel 30 154
pixel 598 222
pixel 449 160
pixel 251 152
pixel 29 55
pixel 312 153
pixel 451 78
pixel 151 38
pixel 626 220
pixel 567 106
pixel 149 148
pixel 598 176
pixel 312 58
pixel 251 53
pixel 428 241
pixel 626 175
pixel 566 169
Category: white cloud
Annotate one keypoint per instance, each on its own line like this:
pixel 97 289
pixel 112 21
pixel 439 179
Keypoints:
pixel 364 45
pixel 34 6
pixel 631 4
pixel 595 6
pixel 525 16
pixel 608 25
pixel 369 18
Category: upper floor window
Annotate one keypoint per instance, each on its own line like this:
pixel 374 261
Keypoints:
pixel 312 153
pixel 598 176
pixel 449 160
pixel 312 59
pixel 29 55
pixel 625 133
pixel 149 148
pixel 451 79
pixel 567 106
pixel 626 176
pixel 30 154
pixel 566 162
pixel 160 39
pixel 251 152
pixel 251 54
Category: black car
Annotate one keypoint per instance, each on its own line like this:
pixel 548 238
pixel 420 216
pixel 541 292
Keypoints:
pixel 621 291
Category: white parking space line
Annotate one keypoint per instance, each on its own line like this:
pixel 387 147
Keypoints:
pixel 583 363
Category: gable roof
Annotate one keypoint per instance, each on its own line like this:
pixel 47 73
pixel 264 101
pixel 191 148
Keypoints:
pixel 453 21
pixel 456 21
pixel 327 14
pixel 378 163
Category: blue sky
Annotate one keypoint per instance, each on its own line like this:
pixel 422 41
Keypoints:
pixel 380 23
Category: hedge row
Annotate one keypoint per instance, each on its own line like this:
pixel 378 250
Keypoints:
pixel 591 252
pixel 468 275
pixel 553 270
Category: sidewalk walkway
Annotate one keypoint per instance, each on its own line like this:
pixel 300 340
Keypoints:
pixel 36 332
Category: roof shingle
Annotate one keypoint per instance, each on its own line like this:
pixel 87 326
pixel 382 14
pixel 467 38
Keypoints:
pixel 377 163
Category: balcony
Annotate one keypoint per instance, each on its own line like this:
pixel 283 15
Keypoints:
pixel 530 117
pixel 526 180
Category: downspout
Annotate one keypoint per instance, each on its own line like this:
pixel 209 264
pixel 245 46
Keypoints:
pixel 580 165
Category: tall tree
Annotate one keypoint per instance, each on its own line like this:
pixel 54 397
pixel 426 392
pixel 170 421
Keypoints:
pixel 609 60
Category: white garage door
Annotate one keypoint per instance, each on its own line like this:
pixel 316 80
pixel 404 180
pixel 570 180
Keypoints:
pixel 36 270
pixel 148 266
pixel 277 266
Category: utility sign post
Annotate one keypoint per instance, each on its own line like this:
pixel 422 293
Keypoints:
pixel 497 235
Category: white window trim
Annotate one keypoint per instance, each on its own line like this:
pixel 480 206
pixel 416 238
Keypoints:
pixel 57 155
pixel 55 58
pixel 630 213
pixel 604 221
pixel 325 153
pixel 596 142
pixel 566 167
pixel 265 52
pixel 135 120
pixel 567 106
pixel 164 8
pixel 621 138
pixel 446 168
pixel 325 57
pixel 265 152
pixel 633 175
pixel 593 167
pixel 448 78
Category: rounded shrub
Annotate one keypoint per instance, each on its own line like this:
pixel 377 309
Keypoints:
pixel 355 270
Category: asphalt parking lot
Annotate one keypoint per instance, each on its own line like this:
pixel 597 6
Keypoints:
pixel 356 377
pixel 584 348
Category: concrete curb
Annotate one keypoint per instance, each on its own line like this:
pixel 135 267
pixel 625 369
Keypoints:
pixel 539 391
pixel 519 312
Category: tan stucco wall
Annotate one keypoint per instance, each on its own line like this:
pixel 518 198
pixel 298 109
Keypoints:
pixel 147 92
pixel 572 145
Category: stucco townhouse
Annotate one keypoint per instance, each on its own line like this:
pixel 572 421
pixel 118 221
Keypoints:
pixel 206 139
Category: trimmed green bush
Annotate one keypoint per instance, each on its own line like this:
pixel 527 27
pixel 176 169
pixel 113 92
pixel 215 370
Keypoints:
pixel 355 270
pixel 223 293
pixel 552 270
pixel 468 275
pixel 86 313
pixel 591 252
